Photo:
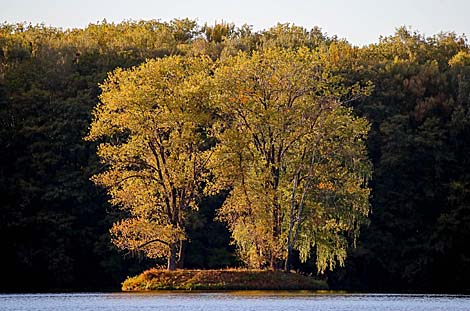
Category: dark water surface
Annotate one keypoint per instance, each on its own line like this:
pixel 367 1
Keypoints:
pixel 231 301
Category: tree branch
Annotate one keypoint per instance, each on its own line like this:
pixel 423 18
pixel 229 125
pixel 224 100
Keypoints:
pixel 153 241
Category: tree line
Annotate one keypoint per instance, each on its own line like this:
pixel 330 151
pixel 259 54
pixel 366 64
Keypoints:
pixel 414 93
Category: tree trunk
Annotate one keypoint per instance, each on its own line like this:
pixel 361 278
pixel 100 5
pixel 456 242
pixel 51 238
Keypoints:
pixel 171 263
pixel 275 263
pixel 288 259
pixel 272 264
pixel 181 254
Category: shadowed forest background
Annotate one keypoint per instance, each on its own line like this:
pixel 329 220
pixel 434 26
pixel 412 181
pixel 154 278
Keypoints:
pixel 54 227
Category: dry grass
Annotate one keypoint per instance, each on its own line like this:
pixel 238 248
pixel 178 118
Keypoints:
pixel 229 279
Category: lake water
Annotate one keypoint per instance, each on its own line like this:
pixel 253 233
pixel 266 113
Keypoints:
pixel 231 301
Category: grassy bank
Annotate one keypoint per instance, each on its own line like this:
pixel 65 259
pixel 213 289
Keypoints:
pixel 155 279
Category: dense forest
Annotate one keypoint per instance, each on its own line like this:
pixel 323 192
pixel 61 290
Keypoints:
pixel 55 222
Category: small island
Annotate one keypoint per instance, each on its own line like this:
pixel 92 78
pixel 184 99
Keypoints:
pixel 228 279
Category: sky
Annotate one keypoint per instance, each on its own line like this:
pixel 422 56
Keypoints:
pixel 361 22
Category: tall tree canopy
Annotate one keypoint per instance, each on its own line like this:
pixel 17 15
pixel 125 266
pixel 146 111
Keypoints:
pixel 294 157
pixel 155 119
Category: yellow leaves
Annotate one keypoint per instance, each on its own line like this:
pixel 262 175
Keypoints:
pixel 255 123
pixel 286 123
pixel 462 58
pixel 243 98
pixel 326 186
pixel 141 235
pixel 156 119
pixel 166 87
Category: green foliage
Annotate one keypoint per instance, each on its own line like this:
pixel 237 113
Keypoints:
pixel 294 158
pixel 290 36
pixel 417 148
pixel 218 32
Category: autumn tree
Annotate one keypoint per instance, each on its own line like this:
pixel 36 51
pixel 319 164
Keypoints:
pixel 154 120
pixel 293 156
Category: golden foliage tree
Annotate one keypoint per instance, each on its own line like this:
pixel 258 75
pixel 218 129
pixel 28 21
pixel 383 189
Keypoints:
pixel 154 122
pixel 293 155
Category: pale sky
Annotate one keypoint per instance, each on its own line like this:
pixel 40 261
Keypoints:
pixel 359 21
